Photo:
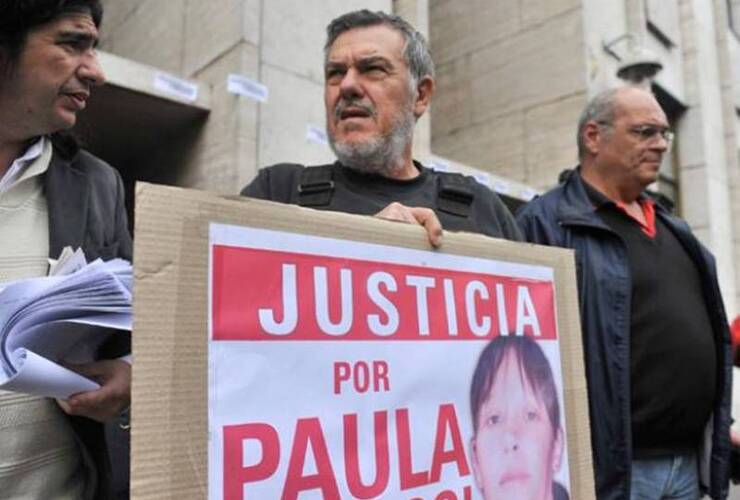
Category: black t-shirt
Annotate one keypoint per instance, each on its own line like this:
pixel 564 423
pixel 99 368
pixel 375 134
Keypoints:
pixel 673 360
pixel 366 194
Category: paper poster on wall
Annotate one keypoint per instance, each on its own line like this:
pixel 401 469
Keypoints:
pixel 342 369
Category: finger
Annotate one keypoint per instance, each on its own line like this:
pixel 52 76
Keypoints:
pixel 393 211
pixel 108 401
pixel 99 405
pixel 427 218
pixel 399 212
pixel 85 401
pixel 64 406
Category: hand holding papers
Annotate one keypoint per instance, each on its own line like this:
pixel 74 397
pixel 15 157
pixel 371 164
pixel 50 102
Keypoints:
pixel 61 319
pixel 111 399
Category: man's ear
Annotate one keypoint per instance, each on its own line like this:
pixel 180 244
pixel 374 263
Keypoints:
pixel 592 137
pixel 424 91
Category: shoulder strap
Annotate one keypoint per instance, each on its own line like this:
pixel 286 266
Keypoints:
pixel 454 194
pixel 316 187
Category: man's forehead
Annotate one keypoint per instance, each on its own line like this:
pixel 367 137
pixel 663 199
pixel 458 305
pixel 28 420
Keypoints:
pixel 367 41
pixel 73 21
pixel 638 105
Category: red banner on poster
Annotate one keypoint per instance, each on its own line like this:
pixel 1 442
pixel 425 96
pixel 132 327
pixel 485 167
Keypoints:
pixel 273 295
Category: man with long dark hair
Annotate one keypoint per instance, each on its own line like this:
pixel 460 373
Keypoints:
pixel 52 195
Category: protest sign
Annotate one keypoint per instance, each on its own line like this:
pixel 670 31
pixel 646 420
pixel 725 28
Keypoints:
pixel 283 352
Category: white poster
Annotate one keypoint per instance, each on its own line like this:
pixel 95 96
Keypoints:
pixel 341 369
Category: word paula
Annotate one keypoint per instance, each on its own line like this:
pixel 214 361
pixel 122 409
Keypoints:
pixel 309 439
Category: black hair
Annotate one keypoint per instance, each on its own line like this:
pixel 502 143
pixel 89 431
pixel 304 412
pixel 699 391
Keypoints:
pixel 416 51
pixel 534 368
pixel 19 17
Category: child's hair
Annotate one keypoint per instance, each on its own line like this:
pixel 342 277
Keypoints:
pixel 533 367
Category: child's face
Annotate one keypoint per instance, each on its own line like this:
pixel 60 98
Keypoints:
pixel 515 450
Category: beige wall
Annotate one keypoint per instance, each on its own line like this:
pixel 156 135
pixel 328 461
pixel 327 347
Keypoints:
pixel 735 15
pixel 512 77
pixel 706 132
pixel 502 103
pixel 278 44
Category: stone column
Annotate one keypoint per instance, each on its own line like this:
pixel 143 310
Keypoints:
pixel 703 155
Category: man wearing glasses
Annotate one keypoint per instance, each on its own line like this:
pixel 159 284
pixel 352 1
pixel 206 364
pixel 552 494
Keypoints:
pixel 655 333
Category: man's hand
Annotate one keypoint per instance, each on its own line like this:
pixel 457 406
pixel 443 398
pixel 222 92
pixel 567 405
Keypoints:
pixel 110 400
pixel 415 215
pixel 735 438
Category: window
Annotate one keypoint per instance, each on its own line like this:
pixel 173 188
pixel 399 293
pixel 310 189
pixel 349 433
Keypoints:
pixel 733 16
pixel 663 21
pixel 667 185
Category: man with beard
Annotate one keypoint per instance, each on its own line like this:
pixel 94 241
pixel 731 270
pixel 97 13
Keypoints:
pixel 379 79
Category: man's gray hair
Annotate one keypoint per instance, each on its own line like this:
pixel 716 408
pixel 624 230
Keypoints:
pixel 416 51
pixel 600 109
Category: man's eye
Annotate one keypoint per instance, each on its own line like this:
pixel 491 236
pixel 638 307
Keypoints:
pixel 647 132
pixel 532 416
pixel 75 45
pixel 333 74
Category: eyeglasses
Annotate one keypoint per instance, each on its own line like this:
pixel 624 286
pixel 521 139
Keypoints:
pixel 648 132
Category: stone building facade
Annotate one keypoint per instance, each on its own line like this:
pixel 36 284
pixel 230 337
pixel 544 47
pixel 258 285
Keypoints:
pixel 202 94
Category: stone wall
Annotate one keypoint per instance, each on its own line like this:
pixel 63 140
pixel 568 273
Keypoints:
pixel 277 43
pixel 512 77
pixel 511 83
pixel 705 170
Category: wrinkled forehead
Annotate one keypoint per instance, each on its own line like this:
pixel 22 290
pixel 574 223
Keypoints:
pixel 74 26
pixel 367 41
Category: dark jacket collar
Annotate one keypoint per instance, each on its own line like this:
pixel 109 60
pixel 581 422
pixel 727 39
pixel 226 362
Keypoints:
pixel 67 192
pixel 576 207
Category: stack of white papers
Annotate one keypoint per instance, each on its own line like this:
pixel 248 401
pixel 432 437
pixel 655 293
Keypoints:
pixel 61 318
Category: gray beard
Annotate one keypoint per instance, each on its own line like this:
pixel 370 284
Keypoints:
pixel 382 155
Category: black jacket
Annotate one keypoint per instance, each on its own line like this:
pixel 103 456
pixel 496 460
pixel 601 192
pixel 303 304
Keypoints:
pixel 461 203
pixel 86 209
pixel 565 217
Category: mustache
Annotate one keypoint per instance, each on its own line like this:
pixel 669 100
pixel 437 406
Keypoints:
pixel 343 104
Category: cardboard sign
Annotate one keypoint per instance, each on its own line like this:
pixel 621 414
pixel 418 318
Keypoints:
pixel 338 356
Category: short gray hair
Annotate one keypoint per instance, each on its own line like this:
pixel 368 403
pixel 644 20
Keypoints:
pixel 416 52
pixel 601 109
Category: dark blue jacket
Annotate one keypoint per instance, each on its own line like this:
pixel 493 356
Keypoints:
pixel 565 217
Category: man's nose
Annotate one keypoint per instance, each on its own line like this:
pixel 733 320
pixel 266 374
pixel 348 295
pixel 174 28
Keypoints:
pixel 350 85
pixel 90 70
pixel 662 144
